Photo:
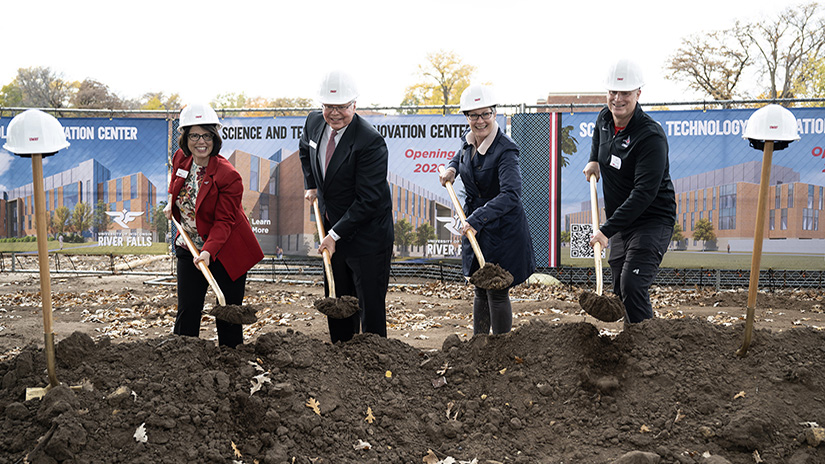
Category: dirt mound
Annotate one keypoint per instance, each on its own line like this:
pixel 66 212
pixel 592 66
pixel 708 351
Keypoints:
pixel 543 393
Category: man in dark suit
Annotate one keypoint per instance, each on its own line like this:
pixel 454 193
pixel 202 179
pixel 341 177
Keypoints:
pixel 344 161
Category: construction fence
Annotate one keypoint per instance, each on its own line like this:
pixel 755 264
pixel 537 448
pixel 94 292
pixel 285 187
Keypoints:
pixel 118 166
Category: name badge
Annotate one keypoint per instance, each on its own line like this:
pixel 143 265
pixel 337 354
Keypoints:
pixel 312 144
pixel 615 162
pixel 182 173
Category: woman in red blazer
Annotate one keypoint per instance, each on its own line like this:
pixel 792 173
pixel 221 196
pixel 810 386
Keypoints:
pixel 205 196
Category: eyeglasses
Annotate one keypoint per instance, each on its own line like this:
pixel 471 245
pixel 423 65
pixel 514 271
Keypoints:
pixel 485 116
pixel 338 108
pixel 206 137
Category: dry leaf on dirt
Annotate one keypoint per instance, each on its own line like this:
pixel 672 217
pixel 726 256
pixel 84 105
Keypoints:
pixel 518 360
pixel 644 429
pixel 756 457
pixel 258 381
pixel 430 458
pixel 741 394
pixel 362 445
pixel 370 418
pixel 443 369
pixel 236 450
pixel 311 403
pixel 140 434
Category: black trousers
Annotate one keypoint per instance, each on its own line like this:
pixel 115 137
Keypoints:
pixel 635 257
pixel 192 287
pixel 492 309
pixel 366 278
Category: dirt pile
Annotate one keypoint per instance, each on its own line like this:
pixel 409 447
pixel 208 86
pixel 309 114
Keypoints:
pixel 541 394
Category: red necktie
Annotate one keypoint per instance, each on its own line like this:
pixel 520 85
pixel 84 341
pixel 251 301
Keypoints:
pixel 330 149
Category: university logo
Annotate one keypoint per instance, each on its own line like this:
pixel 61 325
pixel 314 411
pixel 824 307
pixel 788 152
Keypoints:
pixel 123 218
pixel 453 224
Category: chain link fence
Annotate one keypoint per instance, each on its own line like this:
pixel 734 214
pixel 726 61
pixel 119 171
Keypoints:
pixel 555 144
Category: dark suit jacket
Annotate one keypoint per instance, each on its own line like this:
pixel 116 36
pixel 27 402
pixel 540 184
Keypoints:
pixel 354 195
pixel 219 217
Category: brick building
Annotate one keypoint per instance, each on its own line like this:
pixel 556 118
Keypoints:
pixel 728 198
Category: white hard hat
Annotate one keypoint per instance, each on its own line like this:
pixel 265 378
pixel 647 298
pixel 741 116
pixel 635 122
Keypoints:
pixel 34 131
pixel 337 88
pixel 624 75
pixel 477 96
pixel 197 114
pixel 771 123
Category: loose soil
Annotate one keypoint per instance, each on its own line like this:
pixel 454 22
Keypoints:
pixel 562 387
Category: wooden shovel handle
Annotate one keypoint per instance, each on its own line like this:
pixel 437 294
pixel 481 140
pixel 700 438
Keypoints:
pixel 597 247
pixel 201 265
pixel 327 260
pixel 471 236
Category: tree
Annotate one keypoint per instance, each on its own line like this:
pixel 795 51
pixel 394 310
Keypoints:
pixel 101 220
pixel 11 95
pixel 37 87
pixel 94 94
pixel 240 100
pixel 786 45
pixel 159 101
pixel 677 233
pixel 444 77
pixel 61 220
pixel 713 62
pixel 568 145
pixel 43 88
pixel 424 233
pixel 159 221
pixel 703 230
pixel 564 237
pixel 81 217
pixel 404 235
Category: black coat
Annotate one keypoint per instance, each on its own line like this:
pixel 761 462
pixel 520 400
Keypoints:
pixel 492 183
pixel 635 172
pixel 354 195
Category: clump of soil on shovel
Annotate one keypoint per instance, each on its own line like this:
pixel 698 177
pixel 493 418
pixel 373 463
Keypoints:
pixel 492 277
pixel 602 307
pixel 337 308
pixel 235 314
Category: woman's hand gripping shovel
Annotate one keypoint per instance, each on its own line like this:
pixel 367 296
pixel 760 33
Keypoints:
pixel 235 314
pixel 488 276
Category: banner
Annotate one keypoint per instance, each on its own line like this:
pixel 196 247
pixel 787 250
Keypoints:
pixel 716 176
pixel 265 152
pixel 118 164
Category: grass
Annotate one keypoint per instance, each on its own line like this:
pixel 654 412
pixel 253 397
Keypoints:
pixel 88 248
pixel 711 260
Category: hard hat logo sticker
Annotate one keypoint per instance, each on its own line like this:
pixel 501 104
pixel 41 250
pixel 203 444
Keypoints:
pixel 34 139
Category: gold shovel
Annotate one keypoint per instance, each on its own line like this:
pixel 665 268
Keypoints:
pixel 45 280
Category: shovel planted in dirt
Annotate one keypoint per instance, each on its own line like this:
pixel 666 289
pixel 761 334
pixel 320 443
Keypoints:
pixel 603 308
pixel 489 276
pixel 235 314
pixel 769 128
pixel 45 280
pixel 336 308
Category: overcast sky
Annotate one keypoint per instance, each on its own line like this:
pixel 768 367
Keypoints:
pixel 282 48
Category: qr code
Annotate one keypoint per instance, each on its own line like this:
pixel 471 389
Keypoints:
pixel 580 241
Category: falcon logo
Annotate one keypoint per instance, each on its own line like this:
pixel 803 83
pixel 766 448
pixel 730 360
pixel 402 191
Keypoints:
pixel 626 142
pixel 122 218
pixel 453 224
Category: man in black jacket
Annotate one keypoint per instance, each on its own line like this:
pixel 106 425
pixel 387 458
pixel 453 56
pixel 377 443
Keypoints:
pixel 630 153
pixel 344 161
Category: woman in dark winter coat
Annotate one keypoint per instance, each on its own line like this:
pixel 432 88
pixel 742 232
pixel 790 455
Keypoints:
pixel 488 163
